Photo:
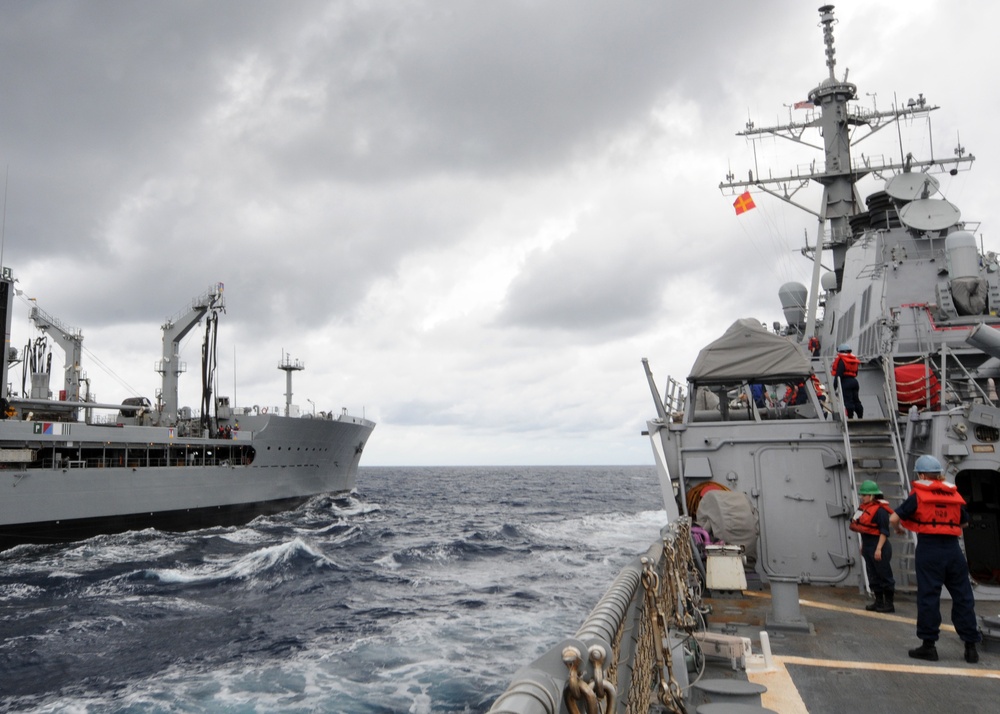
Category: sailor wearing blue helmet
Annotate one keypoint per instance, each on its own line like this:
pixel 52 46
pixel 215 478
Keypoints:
pixel 935 511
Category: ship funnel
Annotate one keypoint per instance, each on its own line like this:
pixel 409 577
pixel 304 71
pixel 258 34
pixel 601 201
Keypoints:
pixel 968 289
pixel 963 256
pixel 793 298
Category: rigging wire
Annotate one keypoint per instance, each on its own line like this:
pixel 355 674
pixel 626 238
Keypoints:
pixel 209 362
pixel 3 227
pixel 771 243
pixel 771 234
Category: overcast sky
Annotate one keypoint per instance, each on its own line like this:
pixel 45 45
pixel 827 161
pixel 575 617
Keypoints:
pixel 470 220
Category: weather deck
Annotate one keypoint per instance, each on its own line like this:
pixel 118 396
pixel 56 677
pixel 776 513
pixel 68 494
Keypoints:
pixel 855 660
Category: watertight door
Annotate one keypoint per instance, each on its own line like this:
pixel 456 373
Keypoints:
pixel 796 496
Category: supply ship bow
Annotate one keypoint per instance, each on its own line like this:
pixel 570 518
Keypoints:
pixel 73 467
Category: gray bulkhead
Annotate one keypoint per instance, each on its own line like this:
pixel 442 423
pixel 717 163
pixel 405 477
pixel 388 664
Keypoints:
pixel 787 458
pixel 794 472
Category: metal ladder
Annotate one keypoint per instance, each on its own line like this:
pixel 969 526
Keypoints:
pixel 875 453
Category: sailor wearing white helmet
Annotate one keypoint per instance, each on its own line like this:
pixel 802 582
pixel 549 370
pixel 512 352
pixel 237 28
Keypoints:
pixel 845 371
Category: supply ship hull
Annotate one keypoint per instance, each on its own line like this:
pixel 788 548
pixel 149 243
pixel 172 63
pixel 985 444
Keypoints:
pixel 67 472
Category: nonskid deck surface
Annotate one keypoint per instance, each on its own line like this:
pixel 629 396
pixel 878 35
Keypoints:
pixel 856 660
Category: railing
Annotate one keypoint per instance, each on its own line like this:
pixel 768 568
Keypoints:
pixel 140 462
pixel 622 649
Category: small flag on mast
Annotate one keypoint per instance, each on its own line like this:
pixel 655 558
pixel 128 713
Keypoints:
pixel 743 203
pixel 804 105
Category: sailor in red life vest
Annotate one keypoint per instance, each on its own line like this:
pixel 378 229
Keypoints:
pixel 845 371
pixel 935 511
pixel 820 394
pixel 813 346
pixel 872 521
pixel 796 393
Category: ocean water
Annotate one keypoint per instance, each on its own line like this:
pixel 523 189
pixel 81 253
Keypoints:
pixel 423 592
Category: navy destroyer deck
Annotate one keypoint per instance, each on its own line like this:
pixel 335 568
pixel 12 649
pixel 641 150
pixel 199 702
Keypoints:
pixel 854 660
pixel 657 641
pixel 891 355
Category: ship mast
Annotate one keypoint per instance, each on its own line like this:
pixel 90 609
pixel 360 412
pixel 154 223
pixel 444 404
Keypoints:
pixel 288 366
pixel 840 201
pixel 839 176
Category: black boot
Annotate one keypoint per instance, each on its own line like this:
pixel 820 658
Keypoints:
pixel 925 651
pixel 887 602
pixel 971 654
pixel 879 599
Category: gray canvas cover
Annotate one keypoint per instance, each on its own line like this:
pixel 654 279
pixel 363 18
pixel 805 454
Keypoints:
pixel 729 516
pixel 747 351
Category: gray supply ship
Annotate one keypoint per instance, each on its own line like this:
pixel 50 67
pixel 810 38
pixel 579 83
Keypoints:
pixel 756 447
pixel 71 467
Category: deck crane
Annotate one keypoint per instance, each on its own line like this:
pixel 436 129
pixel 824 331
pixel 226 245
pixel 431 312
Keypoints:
pixel 70 339
pixel 174 330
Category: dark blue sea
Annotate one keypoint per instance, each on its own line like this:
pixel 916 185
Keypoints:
pixel 422 592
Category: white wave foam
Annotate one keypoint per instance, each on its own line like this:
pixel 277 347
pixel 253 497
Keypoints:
pixel 19 591
pixel 343 537
pixel 622 532
pixel 64 575
pixel 244 568
pixel 80 559
pixel 245 536
pixel 351 507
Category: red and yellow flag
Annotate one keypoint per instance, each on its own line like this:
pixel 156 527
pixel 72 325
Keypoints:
pixel 743 203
